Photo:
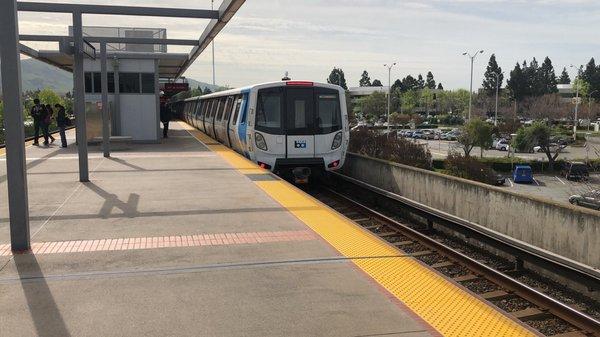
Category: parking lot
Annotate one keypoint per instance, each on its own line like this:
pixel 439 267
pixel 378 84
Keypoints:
pixel 554 187
pixel 440 148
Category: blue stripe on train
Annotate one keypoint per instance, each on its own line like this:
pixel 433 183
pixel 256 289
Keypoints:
pixel 244 122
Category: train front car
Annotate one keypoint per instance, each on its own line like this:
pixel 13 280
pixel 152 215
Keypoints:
pixel 299 128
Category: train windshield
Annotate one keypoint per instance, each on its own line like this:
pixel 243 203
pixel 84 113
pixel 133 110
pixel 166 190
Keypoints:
pixel 329 117
pixel 298 111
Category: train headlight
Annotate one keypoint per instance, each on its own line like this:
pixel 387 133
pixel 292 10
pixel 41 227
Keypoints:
pixel 337 141
pixel 260 142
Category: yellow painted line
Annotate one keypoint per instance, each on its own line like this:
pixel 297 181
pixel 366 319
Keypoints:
pixel 233 158
pixel 449 309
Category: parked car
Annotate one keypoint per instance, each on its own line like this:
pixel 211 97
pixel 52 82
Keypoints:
pixel 500 180
pixel 451 135
pixel 428 134
pixel 575 171
pixel 589 199
pixel 495 141
pixel 417 134
pixel 553 148
pixel 523 174
pixel 503 145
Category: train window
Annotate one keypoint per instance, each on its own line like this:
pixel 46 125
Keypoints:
pixel 228 107
pixel 236 110
pixel 299 112
pixel 328 111
pixel 221 109
pixel 213 109
pixel 205 104
pixel 269 110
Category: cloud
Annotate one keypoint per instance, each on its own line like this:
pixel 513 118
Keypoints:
pixel 308 38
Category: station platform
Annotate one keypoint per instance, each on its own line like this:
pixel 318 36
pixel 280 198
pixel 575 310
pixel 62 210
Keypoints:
pixel 188 238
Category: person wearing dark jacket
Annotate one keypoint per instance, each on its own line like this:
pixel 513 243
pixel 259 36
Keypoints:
pixel 165 118
pixel 61 122
pixel 47 122
pixel 38 113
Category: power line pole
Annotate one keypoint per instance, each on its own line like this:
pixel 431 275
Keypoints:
pixel 212 4
pixel 472 57
pixel 389 67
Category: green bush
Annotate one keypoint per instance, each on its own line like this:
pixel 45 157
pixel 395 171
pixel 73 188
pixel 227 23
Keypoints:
pixel 392 148
pixel 470 168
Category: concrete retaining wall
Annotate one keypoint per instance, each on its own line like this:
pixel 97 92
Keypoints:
pixel 560 228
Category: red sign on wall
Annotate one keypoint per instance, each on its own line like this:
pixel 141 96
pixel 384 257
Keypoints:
pixel 171 89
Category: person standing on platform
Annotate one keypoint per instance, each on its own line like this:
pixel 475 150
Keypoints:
pixel 38 113
pixel 165 118
pixel 47 122
pixel 62 123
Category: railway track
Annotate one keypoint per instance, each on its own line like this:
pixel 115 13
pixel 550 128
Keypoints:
pixel 493 279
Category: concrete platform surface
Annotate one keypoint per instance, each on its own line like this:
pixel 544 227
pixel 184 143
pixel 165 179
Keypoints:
pixel 170 240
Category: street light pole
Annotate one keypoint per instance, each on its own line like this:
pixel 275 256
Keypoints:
pixel 497 89
pixel 389 67
pixel 472 57
pixel 212 4
pixel 576 107
pixel 590 108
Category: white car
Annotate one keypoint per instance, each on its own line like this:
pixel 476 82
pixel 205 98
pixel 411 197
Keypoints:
pixel 553 148
pixel 503 145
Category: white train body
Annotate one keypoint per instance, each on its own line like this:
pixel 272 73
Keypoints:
pixel 281 126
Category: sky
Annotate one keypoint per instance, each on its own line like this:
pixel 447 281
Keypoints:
pixel 308 38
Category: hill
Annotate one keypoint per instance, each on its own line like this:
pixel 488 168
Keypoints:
pixel 39 75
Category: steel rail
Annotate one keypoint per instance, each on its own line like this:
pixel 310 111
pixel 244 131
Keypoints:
pixel 585 323
pixel 554 263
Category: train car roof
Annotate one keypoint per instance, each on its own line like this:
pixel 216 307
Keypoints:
pixel 268 84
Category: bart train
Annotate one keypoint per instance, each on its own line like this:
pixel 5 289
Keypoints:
pixel 293 128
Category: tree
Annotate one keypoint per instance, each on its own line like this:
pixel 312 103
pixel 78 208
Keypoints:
pixel 517 83
pixel 397 85
pixel 547 78
pixel 206 91
pixel 410 100
pixel 564 77
pixel 337 77
pixel 377 83
pixel 365 80
pixel 532 78
pixel 549 106
pixel 420 82
pixel 373 106
pixel 430 82
pixel 440 86
pixel 47 96
pixel 540 134
pixel 397 118
pixel 409 83
pixel 591 75
pixel 475 133
pixel 490 82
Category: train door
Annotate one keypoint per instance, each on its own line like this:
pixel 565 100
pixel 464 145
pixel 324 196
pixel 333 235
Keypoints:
pixel 225 121
pixel 328 120
pixel 233 124
pixel 299 123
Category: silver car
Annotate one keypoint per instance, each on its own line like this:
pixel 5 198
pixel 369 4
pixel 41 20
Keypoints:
pixel 589 199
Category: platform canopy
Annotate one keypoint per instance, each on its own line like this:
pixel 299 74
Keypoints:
pixel 171 65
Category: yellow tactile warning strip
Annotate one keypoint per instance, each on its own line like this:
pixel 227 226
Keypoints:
pixel 448 308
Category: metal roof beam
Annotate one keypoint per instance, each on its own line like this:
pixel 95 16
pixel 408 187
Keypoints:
pixel 28 51
pixel 227 10
pixel 117 10
pixel 99 39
